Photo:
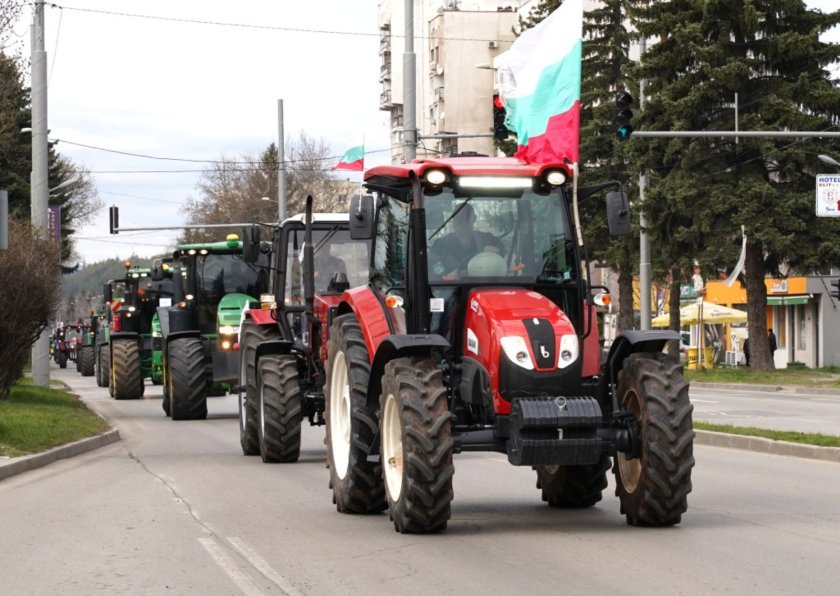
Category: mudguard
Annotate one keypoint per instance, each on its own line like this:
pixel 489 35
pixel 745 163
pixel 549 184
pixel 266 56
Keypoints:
pixel 631 342
pixel 398 346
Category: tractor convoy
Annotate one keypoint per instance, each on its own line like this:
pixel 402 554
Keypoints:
pixel 449 310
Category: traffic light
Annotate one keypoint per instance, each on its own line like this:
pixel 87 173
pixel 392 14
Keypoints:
pixel 623 115
pixel 500 131
pixel 114 219
pixel 836 291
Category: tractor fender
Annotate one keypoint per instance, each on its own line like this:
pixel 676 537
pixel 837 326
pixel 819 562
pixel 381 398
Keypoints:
pixel 183 334
pixel 272 347
pixel 125 335
pixel 631 342
pixel 397 346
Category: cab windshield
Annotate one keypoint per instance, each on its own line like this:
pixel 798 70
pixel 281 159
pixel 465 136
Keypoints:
pixel 220 274
pixel 499 236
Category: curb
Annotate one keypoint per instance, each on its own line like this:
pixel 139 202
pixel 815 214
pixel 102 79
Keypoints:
pixel 768 388
pixel 17 465
pixel 769 446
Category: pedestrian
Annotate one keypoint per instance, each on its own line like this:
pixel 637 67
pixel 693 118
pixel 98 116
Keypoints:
pixel 771 340
pixel 747 350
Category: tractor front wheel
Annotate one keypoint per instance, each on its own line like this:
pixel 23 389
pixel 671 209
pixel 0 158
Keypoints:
pixel 188 378
pixel 103 372
pixel 352 424
pixel 167 385
pixel 61 359
pixel 280 409
pixel 126 376
pixel 653 487
pixel 252 335
pixel 417 445
pixel 573 487
pixel 87 358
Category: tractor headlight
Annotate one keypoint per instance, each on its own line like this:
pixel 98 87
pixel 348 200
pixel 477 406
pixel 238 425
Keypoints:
pixel 157 334
pixel 568 350
pixel 517 352
pixel 228 330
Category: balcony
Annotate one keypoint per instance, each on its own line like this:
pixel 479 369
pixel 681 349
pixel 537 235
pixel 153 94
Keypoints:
pixel 439 93
pixel 385 100
pixel 385 72
pixel 385 43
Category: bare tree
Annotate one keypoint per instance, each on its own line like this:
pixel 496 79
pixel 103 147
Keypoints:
pixel 232 189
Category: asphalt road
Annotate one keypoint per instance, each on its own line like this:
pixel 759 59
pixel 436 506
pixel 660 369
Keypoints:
pixel 175 508
pixel 776 410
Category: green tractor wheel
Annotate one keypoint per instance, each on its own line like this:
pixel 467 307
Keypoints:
pixel 188 378
pixel 126 375
pixel 86 361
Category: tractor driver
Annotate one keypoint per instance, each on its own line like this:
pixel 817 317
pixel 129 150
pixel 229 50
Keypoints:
pixel 450 253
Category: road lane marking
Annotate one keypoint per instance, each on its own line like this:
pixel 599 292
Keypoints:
pixel 228 565
pixel 263 567
pixel 703 401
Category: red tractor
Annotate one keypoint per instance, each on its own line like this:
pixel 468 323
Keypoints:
pixel 477 331
pixel 282 341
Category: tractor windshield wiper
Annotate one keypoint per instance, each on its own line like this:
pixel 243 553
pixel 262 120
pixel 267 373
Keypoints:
pixel 448 219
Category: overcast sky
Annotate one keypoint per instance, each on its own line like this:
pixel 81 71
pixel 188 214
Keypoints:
pixel 168 88
pixel 174 89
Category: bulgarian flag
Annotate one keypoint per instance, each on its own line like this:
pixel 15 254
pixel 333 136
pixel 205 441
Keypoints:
pixel 354 160
pixel 539 81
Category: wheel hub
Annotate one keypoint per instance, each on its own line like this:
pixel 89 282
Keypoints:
pixel 339 419
pixel 392 452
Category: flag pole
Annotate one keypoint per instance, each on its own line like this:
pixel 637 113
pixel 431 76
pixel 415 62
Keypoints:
pixel 576 213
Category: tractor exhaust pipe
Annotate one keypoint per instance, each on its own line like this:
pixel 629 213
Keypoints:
pixel 308 260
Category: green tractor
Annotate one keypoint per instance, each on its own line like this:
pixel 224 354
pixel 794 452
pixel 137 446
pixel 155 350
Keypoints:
pixel 86 350
pixel 200 330
pixel 131 337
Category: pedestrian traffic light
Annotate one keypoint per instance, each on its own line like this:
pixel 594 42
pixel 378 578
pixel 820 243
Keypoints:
pixel 623 115
pixel 500 131
pixel 836 291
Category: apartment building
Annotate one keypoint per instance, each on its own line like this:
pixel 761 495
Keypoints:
pixel 454 43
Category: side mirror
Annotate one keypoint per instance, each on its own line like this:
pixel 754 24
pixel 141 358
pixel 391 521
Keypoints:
pixel 157 270
pixel 361 217
pixel 618 213
pixel 250 244
pixel 107 293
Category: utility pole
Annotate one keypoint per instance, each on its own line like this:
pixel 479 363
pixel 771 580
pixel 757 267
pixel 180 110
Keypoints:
pixel 644 241
pixel 409 87
pixel 281 160
pixel 39 184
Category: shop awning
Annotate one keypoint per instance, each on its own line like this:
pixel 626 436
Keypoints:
pixel 787 300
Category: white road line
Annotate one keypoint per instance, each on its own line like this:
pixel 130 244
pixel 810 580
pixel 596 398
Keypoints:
pixel 228 565
pixel 263 567
pixel 704 401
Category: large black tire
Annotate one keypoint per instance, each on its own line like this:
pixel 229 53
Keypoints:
pixel 167 385
pixel 353 427
pixel 573 487
pixel 87 358
pixel 279 412
pixel 126 373
pixel 61 358
pixel 103 373
pixel 252 335
pixel 78 362
pixel 417 445
pixel 188 368
pixel 653 488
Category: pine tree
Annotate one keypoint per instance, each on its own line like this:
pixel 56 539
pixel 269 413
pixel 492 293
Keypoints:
pixel 704 189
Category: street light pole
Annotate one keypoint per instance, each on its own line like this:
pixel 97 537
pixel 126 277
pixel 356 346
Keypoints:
pixel 39 185
pixel 281 160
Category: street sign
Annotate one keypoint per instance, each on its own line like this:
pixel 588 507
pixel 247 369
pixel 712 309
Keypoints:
pixel 828 195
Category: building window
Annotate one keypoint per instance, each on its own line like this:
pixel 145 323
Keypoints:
pixel 801 328
pixel 781 326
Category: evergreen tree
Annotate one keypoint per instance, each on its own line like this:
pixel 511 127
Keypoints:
pixel 704 189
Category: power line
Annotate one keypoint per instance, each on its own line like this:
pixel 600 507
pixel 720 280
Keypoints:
pixel 120 194
pixel 259 27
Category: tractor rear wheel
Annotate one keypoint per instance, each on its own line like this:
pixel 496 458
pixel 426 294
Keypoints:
pixel 573 487
pixel 61 358
pixel 417 445
pixel 352 424
pixel 189 383
pixel 126 376
pixel 252 335
pixel 86 361
pixel 279 411
pixel 653 487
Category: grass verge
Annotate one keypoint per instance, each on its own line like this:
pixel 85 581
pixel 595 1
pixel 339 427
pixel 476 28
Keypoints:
pixel 808 377
pixel 817 439
pixel 35 419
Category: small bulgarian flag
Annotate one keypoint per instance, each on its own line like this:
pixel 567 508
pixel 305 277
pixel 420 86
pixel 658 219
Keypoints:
pixel 539 81
pixel 353 160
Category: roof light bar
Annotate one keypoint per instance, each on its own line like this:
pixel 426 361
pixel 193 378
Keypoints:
pixel 494 182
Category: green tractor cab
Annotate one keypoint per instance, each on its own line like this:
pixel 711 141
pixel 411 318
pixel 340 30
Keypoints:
pixel 199 331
